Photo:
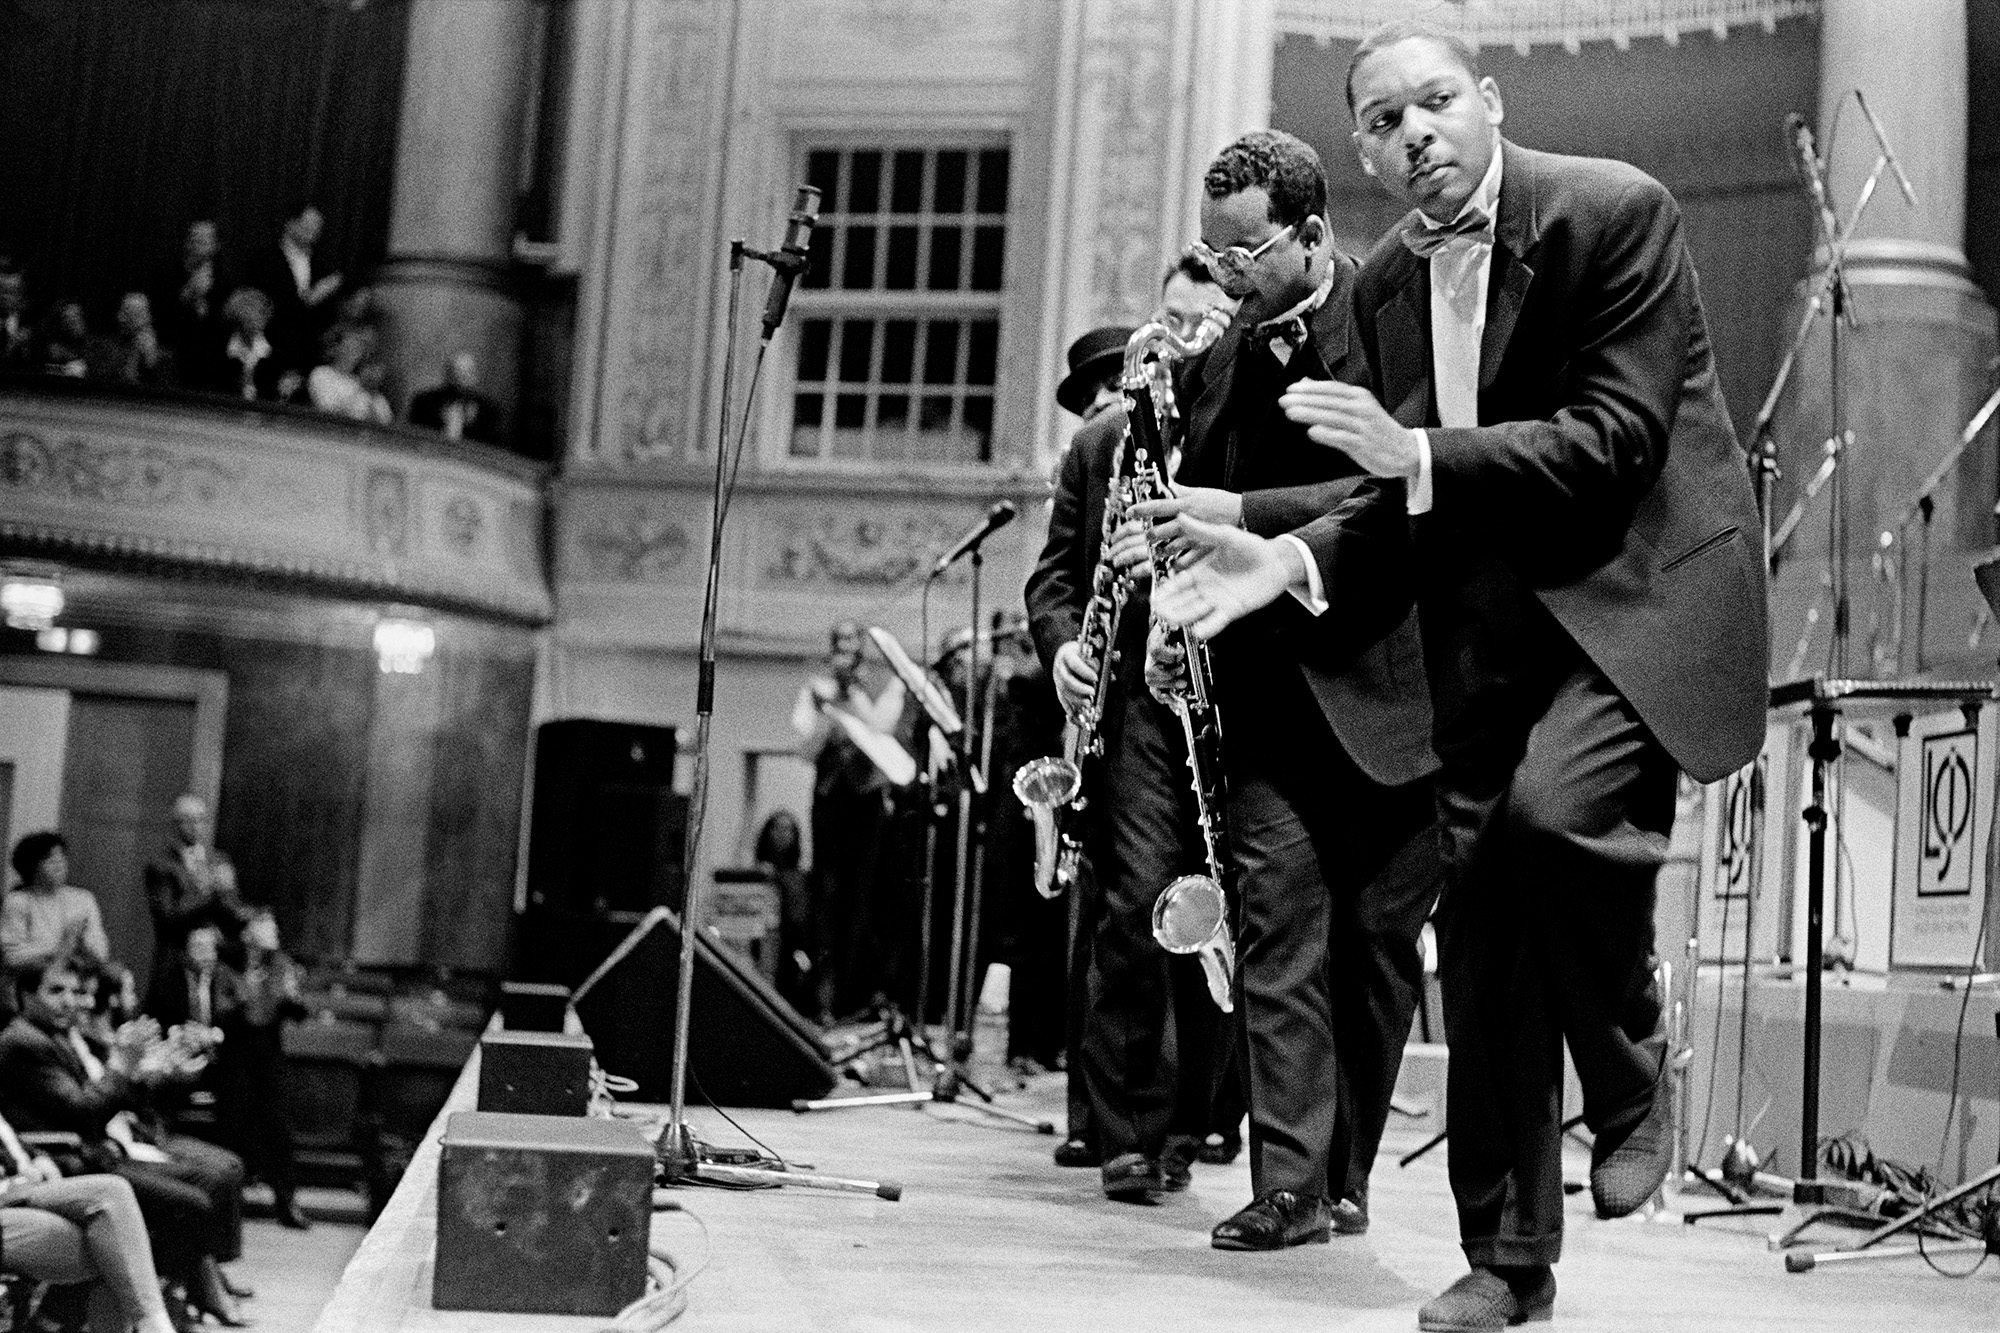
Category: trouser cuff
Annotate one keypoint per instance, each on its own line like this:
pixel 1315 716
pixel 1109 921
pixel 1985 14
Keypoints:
pixel 1513 1251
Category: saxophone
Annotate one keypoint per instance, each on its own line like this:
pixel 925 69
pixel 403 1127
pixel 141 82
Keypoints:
pixel 1051 788
pixel 1191 915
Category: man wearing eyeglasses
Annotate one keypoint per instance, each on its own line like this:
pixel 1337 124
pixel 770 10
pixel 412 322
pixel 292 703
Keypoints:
pixel 1325 720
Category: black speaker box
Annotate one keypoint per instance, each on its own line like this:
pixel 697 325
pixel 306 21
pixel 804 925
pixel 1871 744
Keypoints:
pixel 606 831
pixel 541 1214
pixel 534 1073
pixel 746 1046
pixel 532 1006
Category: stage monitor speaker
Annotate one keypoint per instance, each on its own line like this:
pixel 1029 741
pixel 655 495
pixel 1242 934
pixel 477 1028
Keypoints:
pixel 541 1214
pixel 606 831
pixel 746 1046
pixel 534 1073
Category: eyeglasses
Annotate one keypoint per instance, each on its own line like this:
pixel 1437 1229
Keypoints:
pixel 1235 263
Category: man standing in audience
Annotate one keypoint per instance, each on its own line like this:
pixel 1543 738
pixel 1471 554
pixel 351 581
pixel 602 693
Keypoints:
pixel 188 299
pixel 15 334
pixel 190 884
pixel 300 288
pixel 456 408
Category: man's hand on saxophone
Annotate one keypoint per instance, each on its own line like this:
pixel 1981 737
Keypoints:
pixel 1076 679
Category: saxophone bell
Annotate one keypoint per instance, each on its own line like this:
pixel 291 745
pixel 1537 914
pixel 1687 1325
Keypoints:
pixel 1045 786
pixel 1192 916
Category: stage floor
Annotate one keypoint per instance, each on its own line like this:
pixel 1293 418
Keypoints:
pixel 991 1235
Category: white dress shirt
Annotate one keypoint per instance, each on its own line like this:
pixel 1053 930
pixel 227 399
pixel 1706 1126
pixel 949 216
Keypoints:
pixel 1460 272
pixel 299 261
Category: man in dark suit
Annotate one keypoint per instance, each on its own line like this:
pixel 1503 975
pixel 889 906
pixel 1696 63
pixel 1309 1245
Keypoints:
pixel 50 1079
pixel 187 299
pixel 1580 543
pixel 190 884
pixel 456 408
pixel 301 289
pixel 1325 721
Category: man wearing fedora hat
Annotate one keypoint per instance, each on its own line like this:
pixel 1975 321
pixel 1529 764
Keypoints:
pixel 1095 360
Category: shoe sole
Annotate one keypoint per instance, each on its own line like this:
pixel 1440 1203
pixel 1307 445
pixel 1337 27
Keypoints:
pixel 1312 1238
pixel 1539 1315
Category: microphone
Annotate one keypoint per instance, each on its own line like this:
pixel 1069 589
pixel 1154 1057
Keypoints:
pixel 1888 153
pixel 998 517
pixel 791 257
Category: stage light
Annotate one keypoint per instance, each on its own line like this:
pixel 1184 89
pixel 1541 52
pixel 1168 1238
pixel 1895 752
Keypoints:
pixel 30 604
pixel 57 639
pixel 403 646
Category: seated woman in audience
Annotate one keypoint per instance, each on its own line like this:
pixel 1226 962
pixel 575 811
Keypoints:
pixel 50 1078
pixel 134 355
pixel 336 386
pixel 63 348
pixel 44 916
pixel 85 1230
pixel 241 361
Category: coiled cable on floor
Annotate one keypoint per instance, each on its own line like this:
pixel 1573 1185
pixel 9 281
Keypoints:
pixel 667 1286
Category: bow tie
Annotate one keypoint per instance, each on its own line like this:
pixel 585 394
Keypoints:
pixel 1282 337
pixel 1423 242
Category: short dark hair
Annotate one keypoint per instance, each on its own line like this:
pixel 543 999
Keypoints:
pixel 1284 165
pixel 1404 30
pixel 31 851
pixel 28 977
pixel 1186 266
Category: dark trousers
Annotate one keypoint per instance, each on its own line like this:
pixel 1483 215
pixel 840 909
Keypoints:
pixel 1150 1034
pixel 251 1105
pixel 1076 1014
pixel 1557 808
pixel 1337 875
pixel 193 1204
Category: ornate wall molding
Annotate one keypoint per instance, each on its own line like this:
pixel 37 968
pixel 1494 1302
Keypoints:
pixel 186 487
pixel 1524 24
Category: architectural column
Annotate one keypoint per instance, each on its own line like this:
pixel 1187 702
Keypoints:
pixel 1914 365
pixel 447 283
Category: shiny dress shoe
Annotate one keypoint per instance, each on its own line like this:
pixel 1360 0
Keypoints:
pixel 242 1291
pixel 1220 1149
pixel 289 1216
pixel 1132 1177
pixel 211 1297
pixel 1628 1164
pixel 1274 1220
pixel 1483 1300
pixel 1076 1152
pixel 1349 1218
pixel 1176 1174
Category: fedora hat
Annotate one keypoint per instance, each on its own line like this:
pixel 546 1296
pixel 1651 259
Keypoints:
pixel 1096 354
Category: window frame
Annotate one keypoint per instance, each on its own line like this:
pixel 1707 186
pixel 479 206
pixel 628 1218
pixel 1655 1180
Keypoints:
pixel 880 305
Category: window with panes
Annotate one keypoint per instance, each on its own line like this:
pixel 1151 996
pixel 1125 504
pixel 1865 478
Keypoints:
pixel 899 330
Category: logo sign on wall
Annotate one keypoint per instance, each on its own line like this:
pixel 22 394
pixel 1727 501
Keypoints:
pixel 1944 812
pixel 1748 818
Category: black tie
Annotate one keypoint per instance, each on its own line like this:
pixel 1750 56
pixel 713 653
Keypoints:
pixel 1473 225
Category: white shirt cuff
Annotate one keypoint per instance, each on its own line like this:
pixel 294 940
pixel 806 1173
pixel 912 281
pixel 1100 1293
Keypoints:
pixel 1313 596
pixel 1418 499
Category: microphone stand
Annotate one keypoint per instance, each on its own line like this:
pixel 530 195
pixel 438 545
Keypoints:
pixel 683 1158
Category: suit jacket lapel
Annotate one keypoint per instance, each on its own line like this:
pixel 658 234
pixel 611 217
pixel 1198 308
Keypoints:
pixel 1218 374
pixel 1403 344
pixel 1516 232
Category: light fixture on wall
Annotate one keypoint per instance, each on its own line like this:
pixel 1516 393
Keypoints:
pixel 403 646
pixel 31 603
pixel 57 639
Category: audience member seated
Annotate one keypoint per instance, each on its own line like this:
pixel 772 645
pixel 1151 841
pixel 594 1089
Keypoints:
pixel 240 360
pixel 337 387
pixel 188 299
pixel 253 1095
pixel 51 1079
pixel 135 354
pixel 44 916
pixel 64 346
pixel 456 407
pixel 16 336
pixel 299 287
pixel 86 1230
pixel 190 884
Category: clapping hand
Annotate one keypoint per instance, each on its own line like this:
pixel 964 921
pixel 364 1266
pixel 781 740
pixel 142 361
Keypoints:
pixel 1166 665
pixel 1223 575
pixel 1348 418
pixel 1132 551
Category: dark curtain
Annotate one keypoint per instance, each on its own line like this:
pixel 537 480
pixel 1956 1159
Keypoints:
pixel 121 121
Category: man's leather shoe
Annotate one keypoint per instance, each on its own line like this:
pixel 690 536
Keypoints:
pixel 1132 1177
pixel 1275 1219
pixel 1349 1218
pixel 1076 1152
pixel 1627 1166
pixel 1221 1149
pixel 1483 1300
pixel 1175 1173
